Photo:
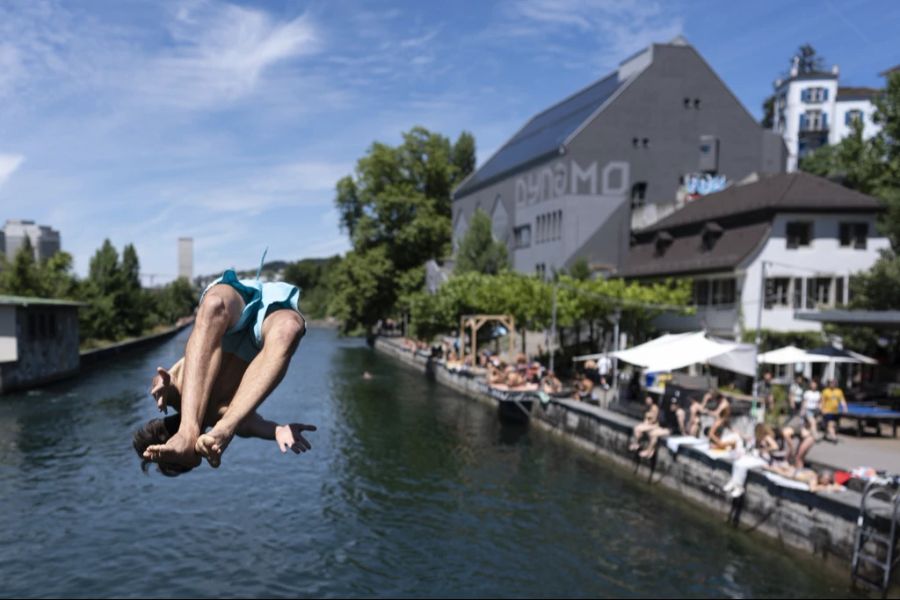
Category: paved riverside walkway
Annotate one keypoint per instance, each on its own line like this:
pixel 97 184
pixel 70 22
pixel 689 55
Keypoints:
pixel 882 453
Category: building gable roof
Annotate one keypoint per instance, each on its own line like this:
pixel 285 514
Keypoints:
pixel 784 192
pixel 718 231
pixel 543 135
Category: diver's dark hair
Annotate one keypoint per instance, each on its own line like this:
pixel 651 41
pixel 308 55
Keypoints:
pixel 158 431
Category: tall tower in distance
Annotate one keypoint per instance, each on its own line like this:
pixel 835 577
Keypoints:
pixel 186 258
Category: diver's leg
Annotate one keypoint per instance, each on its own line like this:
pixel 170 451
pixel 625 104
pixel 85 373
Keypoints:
pixel 281 332
pixel 221 308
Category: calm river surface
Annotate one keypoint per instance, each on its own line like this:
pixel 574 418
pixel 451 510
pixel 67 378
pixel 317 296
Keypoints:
pixel 409 490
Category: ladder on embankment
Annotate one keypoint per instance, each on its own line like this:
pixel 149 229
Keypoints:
pixel 875 552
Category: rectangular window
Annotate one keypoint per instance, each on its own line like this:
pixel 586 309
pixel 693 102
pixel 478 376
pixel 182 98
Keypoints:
pixel 522 236
pixel 777 292
pixel 799 233
pixel 723 292
pixel 701 292
pixel 852 116
pixel 818 292
pixel 813 120
pixel 854 234
pixel 839 291
pixel 798 293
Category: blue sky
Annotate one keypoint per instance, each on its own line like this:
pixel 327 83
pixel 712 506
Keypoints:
pixel 230 122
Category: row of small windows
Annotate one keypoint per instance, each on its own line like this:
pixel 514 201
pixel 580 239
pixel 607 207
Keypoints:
pixel 805 292
pixel 640 142
pixel 41 326
pixel 813 120
pixel 689 102
pixel 781 292
pixel 549 227
pixel 816 120
pixel 814 94
pixel 851 235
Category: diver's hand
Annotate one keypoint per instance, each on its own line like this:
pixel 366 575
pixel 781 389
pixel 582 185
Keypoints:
pixel 291 436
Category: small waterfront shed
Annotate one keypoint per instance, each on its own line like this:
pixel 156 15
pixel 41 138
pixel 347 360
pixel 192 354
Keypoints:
pixel 38 341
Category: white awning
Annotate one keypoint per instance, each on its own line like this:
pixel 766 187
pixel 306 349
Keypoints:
pixel 672 352
pixel 788 355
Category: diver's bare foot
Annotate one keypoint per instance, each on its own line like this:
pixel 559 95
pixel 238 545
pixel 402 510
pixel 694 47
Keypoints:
pixel 646 453
pixel 179 449
pixel 211 446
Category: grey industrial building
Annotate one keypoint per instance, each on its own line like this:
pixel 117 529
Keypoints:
pixel 619 155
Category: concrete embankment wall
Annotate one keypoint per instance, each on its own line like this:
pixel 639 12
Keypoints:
pixel 91 358
pixel 822 524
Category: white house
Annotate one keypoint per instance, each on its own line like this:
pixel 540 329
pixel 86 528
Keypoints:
pixel 790 240
pixel 812 110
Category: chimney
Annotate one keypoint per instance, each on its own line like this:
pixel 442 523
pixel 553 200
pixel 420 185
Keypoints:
pixel 795 66
pixel 835 70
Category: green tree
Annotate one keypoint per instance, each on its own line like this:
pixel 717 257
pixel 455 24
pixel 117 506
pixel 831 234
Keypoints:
pixel 22 277
pixel 396 210
pixel 478 251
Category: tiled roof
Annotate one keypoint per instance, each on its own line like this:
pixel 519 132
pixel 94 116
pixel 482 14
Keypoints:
pixel 796 191
pixel 685 254
pixel 736 220
pixel 857 93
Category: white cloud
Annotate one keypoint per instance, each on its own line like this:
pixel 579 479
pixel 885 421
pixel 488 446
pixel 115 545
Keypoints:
pixel 620 27
pixel 9 163
pixel 221 53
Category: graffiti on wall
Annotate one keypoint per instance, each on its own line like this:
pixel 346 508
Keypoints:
pixel 702 184
pixel 571 179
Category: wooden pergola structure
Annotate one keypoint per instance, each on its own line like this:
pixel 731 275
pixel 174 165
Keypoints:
pixel 474 322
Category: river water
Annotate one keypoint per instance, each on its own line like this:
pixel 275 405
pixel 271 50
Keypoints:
pixel 409 490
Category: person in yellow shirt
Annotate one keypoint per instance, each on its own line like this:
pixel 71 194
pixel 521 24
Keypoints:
pixel 833 404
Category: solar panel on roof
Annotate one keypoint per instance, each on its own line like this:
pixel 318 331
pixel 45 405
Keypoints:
pixel 543 134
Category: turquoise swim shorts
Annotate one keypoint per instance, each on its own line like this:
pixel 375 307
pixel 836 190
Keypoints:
pixel 244 340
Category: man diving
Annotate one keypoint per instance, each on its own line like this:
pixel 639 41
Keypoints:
pixel 244 336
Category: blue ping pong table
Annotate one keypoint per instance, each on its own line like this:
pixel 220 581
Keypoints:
pixel 865 414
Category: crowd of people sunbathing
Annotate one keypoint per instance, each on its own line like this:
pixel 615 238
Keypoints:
pixel 706 424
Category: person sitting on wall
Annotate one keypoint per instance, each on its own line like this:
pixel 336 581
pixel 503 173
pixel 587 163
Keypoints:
pixel 551 384
pixel 696 410
pixel 671 422
pixel 721 435
pixel 762 453
pixel 496 372
pixel 584 388
pixel 650 422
